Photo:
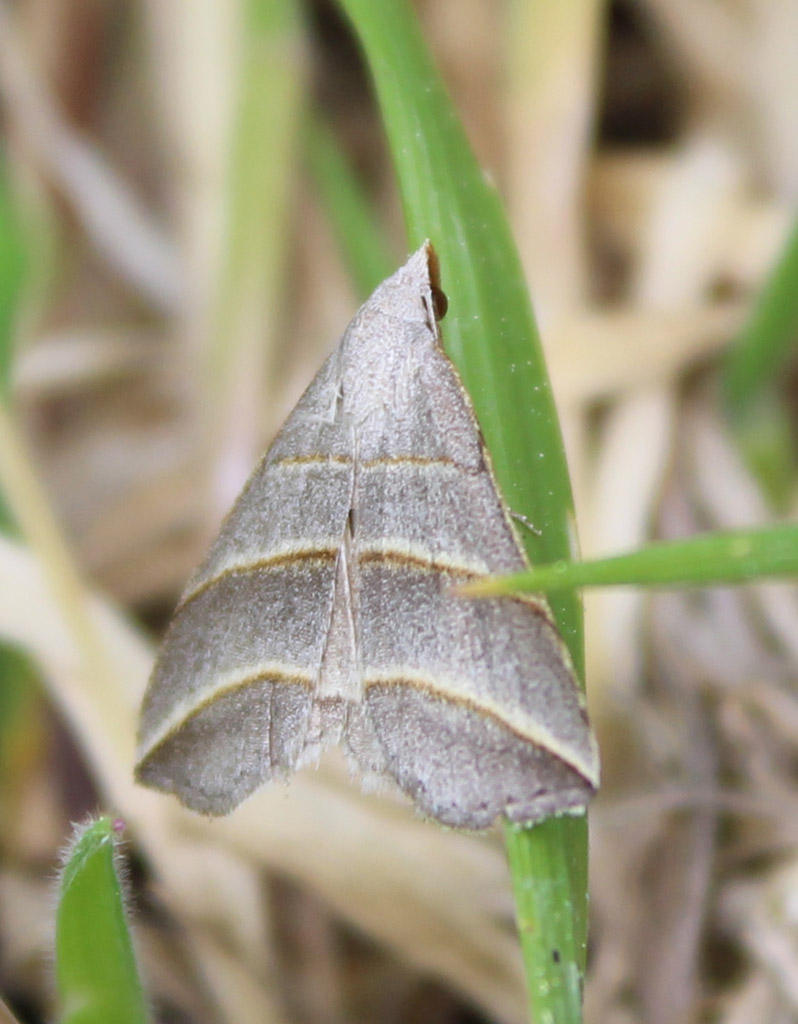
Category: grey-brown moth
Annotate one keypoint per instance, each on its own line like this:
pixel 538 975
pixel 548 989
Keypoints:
pixel 326 610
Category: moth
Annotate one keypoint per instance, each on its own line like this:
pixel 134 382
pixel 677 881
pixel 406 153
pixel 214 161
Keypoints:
pixel 326 611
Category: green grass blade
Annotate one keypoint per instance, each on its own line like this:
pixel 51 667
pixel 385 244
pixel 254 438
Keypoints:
pixel 353 218
pixel 706 560
pixel 492 338
pixel 12 272
pixel 17 679
pixel 753 376
pixel 13 263
pixel 769 336
pixel 96 971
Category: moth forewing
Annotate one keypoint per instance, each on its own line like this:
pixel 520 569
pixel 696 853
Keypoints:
pixel 326 610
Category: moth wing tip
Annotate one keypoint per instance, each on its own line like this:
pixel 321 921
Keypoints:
pixel 147 774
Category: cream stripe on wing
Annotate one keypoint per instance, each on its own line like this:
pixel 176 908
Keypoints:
pixel 438 463
pixel 401 554
pixel 228 682
pixel 528 729
pixel 410 554
pixel 312 459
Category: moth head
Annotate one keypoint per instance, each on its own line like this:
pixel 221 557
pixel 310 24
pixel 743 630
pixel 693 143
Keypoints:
pixel 413 293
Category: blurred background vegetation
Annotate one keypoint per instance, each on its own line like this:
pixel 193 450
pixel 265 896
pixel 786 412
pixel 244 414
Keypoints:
pixel 172 222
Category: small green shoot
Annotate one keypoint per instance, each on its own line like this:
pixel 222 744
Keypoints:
pixel 711 559
pixel 96 973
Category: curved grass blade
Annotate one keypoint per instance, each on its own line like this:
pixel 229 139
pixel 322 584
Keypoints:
pixel 492 338
pixel 712 559
pixel 13 265
pixel 353 219
pixel 13 255
pixel 96 972
pixel 753 378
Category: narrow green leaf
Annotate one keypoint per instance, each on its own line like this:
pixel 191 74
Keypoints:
pixel 491 336
pixel 770 335
pixel 753 377
pixel 709 559
pixel 12 272
pixel 96 971
pixel 353 218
